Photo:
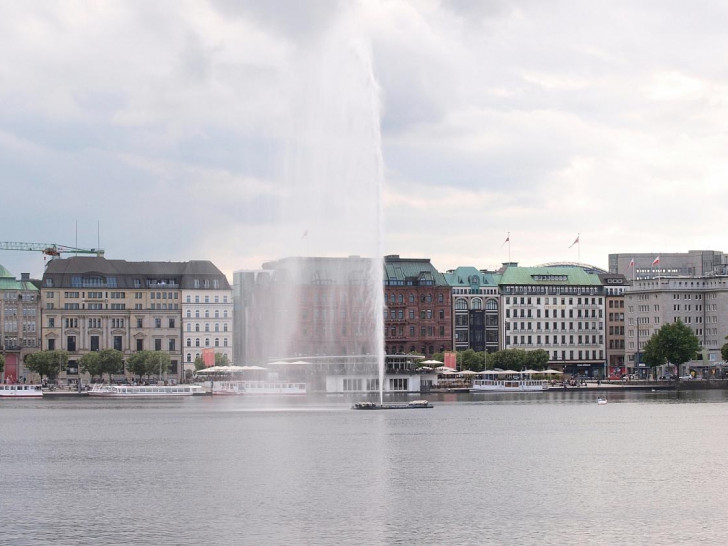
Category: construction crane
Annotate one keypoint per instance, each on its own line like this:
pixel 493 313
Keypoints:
pixel 50 249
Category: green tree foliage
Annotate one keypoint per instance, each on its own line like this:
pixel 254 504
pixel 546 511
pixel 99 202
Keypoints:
pixel 90 363
pixel 111 362
pixel 723 352
pixel 674 343
pixel 199 364
pixel 137 363
pixel 2 362
pixel 158 363
pixel 46 363
pixel 221 359
pixel 471 360
pixel 518 359
pixel 149 363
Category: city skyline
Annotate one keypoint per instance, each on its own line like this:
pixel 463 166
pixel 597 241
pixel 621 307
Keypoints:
pixel 158 132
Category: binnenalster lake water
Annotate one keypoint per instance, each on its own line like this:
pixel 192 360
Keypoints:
pixel 551 468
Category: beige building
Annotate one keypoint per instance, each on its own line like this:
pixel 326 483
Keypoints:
pixel 91 303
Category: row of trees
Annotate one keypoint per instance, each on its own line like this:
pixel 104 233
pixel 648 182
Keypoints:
pixel 674 343
pixel 507 359
pixel 97 363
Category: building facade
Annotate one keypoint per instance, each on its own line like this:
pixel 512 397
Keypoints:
pixel 476 309
pixel 418 307
pixel 694 263
pixel 91 303
pixel 699 302
pixel 559 310
pixel 306 307
pixel 20 331
pixel 614 288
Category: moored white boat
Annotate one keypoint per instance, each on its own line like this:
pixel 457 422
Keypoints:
pixel 257 387
pixel 20 391
pixel 144 391
pixel 509 381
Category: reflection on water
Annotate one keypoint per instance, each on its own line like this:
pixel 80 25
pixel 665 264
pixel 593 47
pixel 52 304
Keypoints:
pixel 553 468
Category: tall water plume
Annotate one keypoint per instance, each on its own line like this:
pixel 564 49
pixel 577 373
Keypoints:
pixel 324 296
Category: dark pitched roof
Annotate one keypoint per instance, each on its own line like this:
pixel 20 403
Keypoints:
pixel 61 271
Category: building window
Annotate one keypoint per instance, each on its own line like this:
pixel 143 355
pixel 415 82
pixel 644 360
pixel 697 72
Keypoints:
pixel 157 344
pixel 94 343
pixel 71 344
pixel 171 345
pixel 171 323
pixel 157 322
pixel 51 344
pixel 117 343
pixel 139 344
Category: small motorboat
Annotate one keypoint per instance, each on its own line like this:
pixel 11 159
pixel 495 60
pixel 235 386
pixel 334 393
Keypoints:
pixel 601 401
pixel 415 404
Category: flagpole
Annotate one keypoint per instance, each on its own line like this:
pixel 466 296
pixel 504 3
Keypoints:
pixel 578 247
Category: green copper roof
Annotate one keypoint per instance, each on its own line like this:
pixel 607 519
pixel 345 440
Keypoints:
pixel 467 276
pixel 415 271
pixel 5 273
pixel 9 282
pixel 555 276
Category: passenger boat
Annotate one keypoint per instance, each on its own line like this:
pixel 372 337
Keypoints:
pixel 20 391
pixel 415 404
pixel 510 382
pixel 257 387
pixel 144 391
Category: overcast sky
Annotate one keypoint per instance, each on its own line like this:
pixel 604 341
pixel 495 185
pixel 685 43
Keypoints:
pixel 170 125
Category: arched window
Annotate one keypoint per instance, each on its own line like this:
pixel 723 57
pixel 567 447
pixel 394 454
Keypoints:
pixel 197 313
pixel 491 305
pixel 461 305
pixel 476 303
pixel 197 342
pixel 217 342
pixel 189 342
pixel 189 357
pixel 207 342
pixel 224 342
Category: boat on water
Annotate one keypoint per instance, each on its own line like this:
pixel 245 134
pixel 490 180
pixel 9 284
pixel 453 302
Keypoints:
pixel 415 404
pixel 144 391
pixel 601 401
pixel 512 383
pixel 257 387
pixel 13 390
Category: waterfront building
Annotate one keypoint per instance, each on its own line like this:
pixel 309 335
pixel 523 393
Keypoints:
pixel 206 311
pixel 476 305
pixel 700 302
pixel 559 309
pixel 91 303
pixel 418 307
pixel 306 306
pixel 20 331
pixel 614 287
pixel 649 265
